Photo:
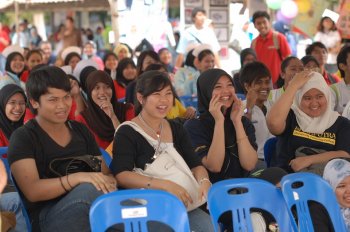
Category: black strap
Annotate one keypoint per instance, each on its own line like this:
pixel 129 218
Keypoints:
pixel 198 40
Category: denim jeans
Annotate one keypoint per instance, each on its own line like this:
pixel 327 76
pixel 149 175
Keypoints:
pixel 71 213
pixel 200 221
pixel 11 202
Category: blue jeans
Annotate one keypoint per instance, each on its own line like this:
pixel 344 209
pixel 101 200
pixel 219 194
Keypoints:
pixel 10 202
pixel 200 221
pixel 71 213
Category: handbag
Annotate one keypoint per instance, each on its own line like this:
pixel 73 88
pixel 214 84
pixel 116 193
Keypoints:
pixel 314 168
pixel 169 165
pixel 68 165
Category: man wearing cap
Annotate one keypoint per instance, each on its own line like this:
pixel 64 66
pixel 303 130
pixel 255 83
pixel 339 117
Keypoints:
pixel 198 33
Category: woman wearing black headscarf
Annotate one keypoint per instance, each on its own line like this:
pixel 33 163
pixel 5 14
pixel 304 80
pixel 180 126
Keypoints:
pixel 223 139
pixel 103 113
pixel 247 55
pixel 126 73
pixel 12 109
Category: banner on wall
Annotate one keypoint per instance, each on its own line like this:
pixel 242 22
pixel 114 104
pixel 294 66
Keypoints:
pixel 343 23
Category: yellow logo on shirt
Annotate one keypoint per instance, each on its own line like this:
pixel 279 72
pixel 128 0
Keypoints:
pixel 325 137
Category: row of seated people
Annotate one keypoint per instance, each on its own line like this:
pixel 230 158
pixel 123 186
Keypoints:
pixel 223 140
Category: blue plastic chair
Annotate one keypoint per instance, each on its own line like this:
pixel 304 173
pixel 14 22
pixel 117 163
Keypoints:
pixel 189 101
pixel 159 206
pixel 106 157
pixel 269 150
pixel 299 188
pixel 241 96
pixel 259 194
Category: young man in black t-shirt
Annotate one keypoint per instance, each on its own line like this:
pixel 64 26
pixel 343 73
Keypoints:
pixel 55 202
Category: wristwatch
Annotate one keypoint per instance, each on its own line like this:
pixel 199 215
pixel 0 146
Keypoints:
pixel 247 111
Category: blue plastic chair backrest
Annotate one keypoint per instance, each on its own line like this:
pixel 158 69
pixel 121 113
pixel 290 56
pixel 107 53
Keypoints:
pixel 106 157
pixel 241 96
pixel 260 194
pixel 160 206
pixel 189 101
pixel 313 188
pixel 3 151
pixel 269 150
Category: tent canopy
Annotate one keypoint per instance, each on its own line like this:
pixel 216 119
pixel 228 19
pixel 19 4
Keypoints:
pixel 54 5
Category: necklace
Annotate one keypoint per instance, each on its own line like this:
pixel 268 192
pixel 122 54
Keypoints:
pixel 158 133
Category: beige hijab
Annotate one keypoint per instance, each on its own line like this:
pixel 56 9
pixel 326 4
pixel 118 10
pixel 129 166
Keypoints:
pixel 318 124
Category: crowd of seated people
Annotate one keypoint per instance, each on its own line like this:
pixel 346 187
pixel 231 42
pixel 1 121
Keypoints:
pixel 53 113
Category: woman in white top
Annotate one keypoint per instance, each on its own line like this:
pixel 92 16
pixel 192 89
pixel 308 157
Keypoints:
pixel 328 34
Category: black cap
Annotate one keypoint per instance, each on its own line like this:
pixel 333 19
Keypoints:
pixel 273 175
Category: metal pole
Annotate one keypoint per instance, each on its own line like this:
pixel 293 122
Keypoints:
pixel 114 18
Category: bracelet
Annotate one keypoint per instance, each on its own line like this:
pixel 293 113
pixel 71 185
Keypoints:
pixel 62 184
pixel 238 140
pixel 204 179
pixel 69 183
pixel 149 183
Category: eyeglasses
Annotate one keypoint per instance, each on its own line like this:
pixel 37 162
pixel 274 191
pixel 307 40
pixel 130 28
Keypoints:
pixel 14 103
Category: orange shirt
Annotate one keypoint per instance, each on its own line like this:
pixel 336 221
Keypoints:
pixel 268 54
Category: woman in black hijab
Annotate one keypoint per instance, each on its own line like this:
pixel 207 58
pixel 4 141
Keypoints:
pixel 103 113
pixel 12 109
pixel 223 139
pixel 247 55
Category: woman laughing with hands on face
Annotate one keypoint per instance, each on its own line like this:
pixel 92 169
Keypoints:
pixel 221 137
pixel 103 113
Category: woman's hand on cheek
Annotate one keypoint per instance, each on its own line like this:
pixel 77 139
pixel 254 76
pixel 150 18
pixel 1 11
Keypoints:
pixel 236 110
pixel 215 108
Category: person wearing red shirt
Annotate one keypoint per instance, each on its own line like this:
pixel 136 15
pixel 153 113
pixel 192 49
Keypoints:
pixel 4 38
pixel 103 113
pixel 320 52
pixel 271 47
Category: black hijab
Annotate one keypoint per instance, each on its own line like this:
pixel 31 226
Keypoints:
pixel 84 75
pixel 96 118
pixel 123 64
pixel 6 93
pixel 8 63
pixel 245 52
pixel 205 85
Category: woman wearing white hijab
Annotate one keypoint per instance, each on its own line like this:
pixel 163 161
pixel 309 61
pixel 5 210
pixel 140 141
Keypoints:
pixel 337 173
pixel 303 117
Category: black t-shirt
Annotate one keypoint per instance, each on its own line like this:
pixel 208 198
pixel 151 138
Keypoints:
pixel 131 149
pixel 335 138
pixel 201 138
pixel 31 141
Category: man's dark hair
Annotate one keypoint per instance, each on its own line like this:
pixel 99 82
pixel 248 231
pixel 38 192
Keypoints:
pixel 314 45
pixel 341 59
pixel 259 14
pixel 196 10
pixel 43 78
pixel 252 72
